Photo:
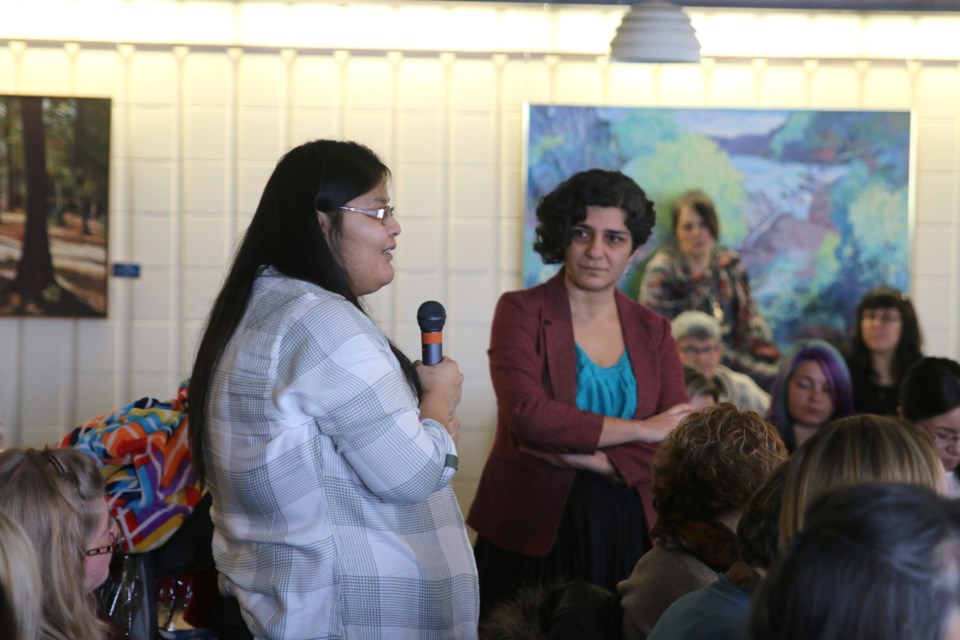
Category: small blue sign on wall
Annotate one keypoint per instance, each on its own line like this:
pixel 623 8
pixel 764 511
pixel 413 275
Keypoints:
pixel 126 270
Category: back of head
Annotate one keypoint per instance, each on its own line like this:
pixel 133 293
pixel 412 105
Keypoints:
pixel 834 370
pixel 909 347
pixel 758 532
pixel 878 560
pixel 48 493
pixel 695 325
pixel 20 586
pixel 931 387
pixel 566 206
pixel 856 450
pixel 712 463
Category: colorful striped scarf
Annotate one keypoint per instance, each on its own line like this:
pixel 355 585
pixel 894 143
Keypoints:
pixel 143 453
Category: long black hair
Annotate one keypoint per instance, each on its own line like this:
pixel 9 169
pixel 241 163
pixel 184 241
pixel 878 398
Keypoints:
pixel 875 560
pixel 285 233
pixel 909 347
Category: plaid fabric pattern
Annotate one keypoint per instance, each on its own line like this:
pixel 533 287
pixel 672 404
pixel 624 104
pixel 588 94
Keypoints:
pixel 144 458
pixel 331 501
pixel 722 291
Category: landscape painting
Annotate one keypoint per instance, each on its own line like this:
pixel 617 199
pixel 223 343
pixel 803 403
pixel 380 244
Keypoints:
pixel 54 185
pixel 816 202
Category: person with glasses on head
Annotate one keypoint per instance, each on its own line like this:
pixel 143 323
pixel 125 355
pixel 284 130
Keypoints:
pixel 698 341
pixel 57 497
pixel 930 398
pixel 886 341
pixel 328 454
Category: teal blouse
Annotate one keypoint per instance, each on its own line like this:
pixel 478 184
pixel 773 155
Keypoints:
pixel 608 391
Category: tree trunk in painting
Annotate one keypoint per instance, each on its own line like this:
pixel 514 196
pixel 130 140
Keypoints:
pixel 35 270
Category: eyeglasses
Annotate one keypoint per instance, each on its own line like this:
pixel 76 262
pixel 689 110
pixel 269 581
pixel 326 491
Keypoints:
pixel 113 547
pixel 696 351
pixel 883 317
pixel 945 438
pixel 380 214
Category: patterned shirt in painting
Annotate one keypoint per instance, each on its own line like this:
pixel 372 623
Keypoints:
pixel 331 501
pixel 723 291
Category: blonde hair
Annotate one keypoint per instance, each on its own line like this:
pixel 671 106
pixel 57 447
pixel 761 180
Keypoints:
pixel 854 450
pixel 19 583
pixel 48 494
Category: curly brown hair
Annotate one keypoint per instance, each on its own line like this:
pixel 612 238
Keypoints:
pixel 712 463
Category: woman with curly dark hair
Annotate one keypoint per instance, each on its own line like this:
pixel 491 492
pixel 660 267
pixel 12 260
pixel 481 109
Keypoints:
pixel 886 341
pixel 703 475
pixel 587 382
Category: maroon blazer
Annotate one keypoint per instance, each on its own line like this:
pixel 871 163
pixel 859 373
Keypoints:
pixel 521 498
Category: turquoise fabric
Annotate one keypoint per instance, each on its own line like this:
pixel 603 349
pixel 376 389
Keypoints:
pixel 609 392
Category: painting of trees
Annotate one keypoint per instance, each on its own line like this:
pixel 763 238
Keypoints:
pixel 54 159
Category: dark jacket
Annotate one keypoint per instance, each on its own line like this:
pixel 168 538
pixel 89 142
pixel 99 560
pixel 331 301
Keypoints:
pixel 521 498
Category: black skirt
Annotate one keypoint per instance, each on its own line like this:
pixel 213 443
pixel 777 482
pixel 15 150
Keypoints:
pixel 603 532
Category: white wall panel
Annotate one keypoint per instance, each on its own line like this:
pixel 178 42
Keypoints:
pixel 205 186
pixel 420 137
pixel 95 72
pixel 937 248
pixel 783 84
pixel 732 84
pixel 150 186
pixel 577 83
pixel 886 85
pixel 152 244
pixel 630 84
pixel 417 192
pixel 936 145
pixel 419 244
pixel 937 199
pixel 45 72
pixel 835 85
pixel 680 85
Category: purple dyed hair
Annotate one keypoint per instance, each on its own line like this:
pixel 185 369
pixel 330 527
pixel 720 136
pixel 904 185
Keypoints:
pixel 834 369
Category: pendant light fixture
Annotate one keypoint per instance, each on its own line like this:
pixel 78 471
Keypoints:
pixel 655 31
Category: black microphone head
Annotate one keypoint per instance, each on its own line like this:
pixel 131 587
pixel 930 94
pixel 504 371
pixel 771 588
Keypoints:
pixel 431 316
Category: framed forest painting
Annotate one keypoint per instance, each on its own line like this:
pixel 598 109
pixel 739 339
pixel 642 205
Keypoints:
pixel 54 187
pixel 816 202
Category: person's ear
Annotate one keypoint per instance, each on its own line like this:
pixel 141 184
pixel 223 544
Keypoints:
pixel 325 224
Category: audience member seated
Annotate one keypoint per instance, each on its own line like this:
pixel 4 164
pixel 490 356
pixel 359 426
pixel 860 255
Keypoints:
pixel 878 561
pixel 20 587
pixel 575 610
pixel 702 391
pixel 886 341
pixel 721 610
pixel 854 450
pixel 703 474
pixel 930 398
pixel 698 339
pixel 57 496
pixel 693 274
pixel 812 388
pixel 587 383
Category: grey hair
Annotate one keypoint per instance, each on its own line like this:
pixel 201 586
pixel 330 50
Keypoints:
pixel 695 325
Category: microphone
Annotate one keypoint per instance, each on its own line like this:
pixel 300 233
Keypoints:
pixel 431 316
